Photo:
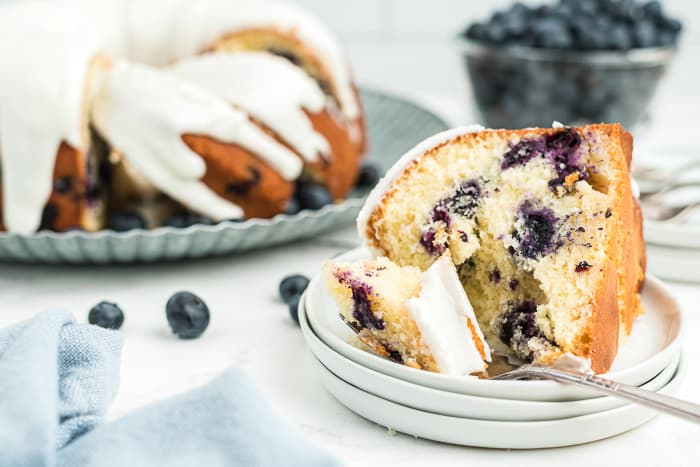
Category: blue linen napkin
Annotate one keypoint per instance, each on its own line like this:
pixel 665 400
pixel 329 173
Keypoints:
pixel 57 378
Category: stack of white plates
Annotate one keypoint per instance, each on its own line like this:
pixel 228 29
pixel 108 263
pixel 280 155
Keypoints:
pixel 496 414
pixel 673 250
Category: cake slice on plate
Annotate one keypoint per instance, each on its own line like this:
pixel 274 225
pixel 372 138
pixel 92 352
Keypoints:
pixel 421 319
pixel 540 223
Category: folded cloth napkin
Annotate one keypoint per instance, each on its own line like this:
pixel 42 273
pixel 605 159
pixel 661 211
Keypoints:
pixel 57 378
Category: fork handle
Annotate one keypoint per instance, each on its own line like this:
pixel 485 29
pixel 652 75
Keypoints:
pixel 663 403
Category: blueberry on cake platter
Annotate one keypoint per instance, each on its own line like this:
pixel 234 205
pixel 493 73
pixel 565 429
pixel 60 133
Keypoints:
pixel 541 227
pixel 212 110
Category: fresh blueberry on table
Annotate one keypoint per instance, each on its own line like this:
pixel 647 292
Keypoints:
pixel 312 196
pixel 188 315
pixel 125 221
pixel 106 315
pixel 293 305
pixel 292 286
pixel 368 177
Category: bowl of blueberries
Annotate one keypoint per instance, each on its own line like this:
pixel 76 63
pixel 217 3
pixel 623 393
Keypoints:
pixel 574 61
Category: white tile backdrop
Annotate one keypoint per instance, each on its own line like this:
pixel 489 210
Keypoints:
pixel 407 46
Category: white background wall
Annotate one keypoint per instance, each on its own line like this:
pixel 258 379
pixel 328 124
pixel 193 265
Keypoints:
pixel 408 46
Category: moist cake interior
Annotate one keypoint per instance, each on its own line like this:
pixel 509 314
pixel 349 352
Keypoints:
pixel 529 234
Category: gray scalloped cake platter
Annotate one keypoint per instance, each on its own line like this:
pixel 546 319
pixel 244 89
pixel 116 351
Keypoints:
pixel 394 125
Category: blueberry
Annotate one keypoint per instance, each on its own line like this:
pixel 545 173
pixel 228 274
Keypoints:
pixel 619 37
pixel 670 24
pixel 552 33
pixel 48 217
pixel 293 305
pixel 312 196
pixel 463 202
pixel 476 31
pixel 125 221
pixel 495 33
pixel 63 184
pixel 653 10
pixel 179 221
pixel 188 315
pixel 106 315
pixel 293 206
pixel 666 38
pixel 362 303
pixel 644 33
pixel 292 286
pixel 539 226
pixel 520 8
pixel 182 221
pixel 368 177
pixel 515 23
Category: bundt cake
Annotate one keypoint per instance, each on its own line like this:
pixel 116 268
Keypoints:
pixel 421 319
pixel 540 223
pixel 220 109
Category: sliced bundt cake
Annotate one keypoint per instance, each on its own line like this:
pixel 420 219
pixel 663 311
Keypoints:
pixel 541 224
pixel 421 319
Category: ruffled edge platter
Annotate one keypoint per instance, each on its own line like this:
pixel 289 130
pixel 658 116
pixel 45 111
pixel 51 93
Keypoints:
pixel 394 125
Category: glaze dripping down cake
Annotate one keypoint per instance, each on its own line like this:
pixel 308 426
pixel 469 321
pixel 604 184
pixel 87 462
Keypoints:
pixel 421 319
pixel 541 225
pixel 123 115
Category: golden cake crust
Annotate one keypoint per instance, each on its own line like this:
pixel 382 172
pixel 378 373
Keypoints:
pixel 242 178
pixel 67 205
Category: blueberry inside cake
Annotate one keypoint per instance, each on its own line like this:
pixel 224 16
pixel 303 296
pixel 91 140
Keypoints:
pixel 421 319
pixel 540 224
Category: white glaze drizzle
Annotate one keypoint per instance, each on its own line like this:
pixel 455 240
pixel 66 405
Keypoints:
pixel 164 31
pixel 267 87
pixel 377 194
pixel 441 312
pixel 156 32
pixel 144 112
pixel 41 98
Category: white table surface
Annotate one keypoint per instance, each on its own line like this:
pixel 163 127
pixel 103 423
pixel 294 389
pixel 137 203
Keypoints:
pixel 250 328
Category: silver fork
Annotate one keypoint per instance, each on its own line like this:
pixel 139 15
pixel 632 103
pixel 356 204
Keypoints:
pixel 666 404
pixel 663 403
pixel 655 208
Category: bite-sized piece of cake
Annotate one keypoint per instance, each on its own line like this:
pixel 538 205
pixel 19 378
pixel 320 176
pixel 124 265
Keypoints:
pixel 48 153
pixel 541 224
pixel 421 319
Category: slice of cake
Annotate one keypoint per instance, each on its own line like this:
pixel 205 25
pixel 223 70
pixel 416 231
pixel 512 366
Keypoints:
pixel 542 227
pixel 421 319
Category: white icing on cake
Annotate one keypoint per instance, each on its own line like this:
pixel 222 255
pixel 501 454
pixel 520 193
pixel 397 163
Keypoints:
pixel 156 32
pixel 41 105
pixel 267 87
pixel 441 312
pixel 376 195
pixel 144 112
pixel 164 31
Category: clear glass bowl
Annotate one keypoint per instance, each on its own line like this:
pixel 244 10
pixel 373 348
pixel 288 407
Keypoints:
pixel 518 87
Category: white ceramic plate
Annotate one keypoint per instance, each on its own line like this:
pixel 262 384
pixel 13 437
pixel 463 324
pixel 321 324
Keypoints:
pixel 394 126
pixel 460 405
pixel 675 264
pixel 490 433
pixel 650 348
pixel 672 235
